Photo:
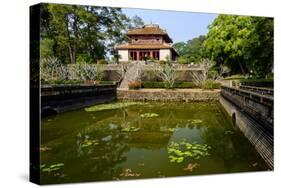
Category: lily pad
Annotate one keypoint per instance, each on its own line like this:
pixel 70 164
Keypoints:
pixel 149 115
pixel 195 121
pixel 88 143
pixel 130 129
pixel 171 129
pixel 179 151
pixel 52 168
pixel 110 106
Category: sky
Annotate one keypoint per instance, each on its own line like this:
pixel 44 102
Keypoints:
pixel 181 26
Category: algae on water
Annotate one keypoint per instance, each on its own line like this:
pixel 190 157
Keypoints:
pixel 110 106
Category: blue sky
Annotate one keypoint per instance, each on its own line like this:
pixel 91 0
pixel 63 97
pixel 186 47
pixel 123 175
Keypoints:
pixel 181 26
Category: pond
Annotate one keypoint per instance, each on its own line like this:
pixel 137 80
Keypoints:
pixel 143 140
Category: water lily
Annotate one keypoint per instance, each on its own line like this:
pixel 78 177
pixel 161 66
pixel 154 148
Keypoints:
pixel 178 151
pixel 149 115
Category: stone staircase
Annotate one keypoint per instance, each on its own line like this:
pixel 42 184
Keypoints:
pixel 133 73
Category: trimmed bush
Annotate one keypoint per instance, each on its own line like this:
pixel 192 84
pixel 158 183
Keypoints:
pixel 102 61
pixel 210 84
pixel 57 82
pixel 162 62
pixel 162 85
pixel 258 83
pixel 107 82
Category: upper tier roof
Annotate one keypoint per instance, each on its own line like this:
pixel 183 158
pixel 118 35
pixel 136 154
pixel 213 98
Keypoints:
pixel 150 29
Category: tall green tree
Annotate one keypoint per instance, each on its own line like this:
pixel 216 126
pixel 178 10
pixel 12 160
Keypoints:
pixel 135 22
pixel 84 32
pixel 243 43
pixel 192 51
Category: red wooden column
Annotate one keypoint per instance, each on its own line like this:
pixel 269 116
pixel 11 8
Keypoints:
pixel 138 55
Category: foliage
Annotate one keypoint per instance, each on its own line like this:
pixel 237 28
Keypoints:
pixel 86 72
pixel 149 75
pixel 46 48
pixel 134 84
pixel 192 51
pixel 182 60
pixel 149 115
pixel 79 32
pixel 258 82
pixel 162 85
pixel 243 43
pixel 208 84
pixel 110 106
pixel 135 22
pixel 102 61
pixel 56 82
pixel 183 150
pixel 51 168
pixel 162 62
pixel 51 69
pixel 200 77
pixel 167 73
pixel 235 77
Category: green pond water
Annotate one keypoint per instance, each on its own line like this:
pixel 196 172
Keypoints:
pixel 143 140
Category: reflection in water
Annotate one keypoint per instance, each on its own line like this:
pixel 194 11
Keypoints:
pixel 123 144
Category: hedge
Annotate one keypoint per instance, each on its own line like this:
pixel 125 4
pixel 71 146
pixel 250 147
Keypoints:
pixel 213 85
pixel 257 82
pixel 57 82
pixel 162 85
pixel 61 82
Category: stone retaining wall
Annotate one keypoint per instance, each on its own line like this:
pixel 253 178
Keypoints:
pixel 256 133
pixel 61 98
pixel 184 95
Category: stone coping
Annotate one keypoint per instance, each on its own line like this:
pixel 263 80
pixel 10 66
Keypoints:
pixel 180 95
pixel 168 90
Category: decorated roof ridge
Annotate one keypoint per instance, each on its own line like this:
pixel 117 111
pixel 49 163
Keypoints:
pixel 148 29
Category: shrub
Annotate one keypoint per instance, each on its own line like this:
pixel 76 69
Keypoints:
pixel 162 62
pixel 107 82
pixel 210 84
pixel 57 82
pixel 102 61
pixel 162 85
pixel 134 85
pixel 182 60
pixel 258 82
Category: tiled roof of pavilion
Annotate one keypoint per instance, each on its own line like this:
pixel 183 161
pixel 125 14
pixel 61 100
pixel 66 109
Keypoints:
pixel 149 29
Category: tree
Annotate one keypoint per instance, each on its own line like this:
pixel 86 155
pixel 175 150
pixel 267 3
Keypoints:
pixel 243 43
pixel 135 22
pixel 259 47
pixel 167 73
pixel 85 32
pixel 191 51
